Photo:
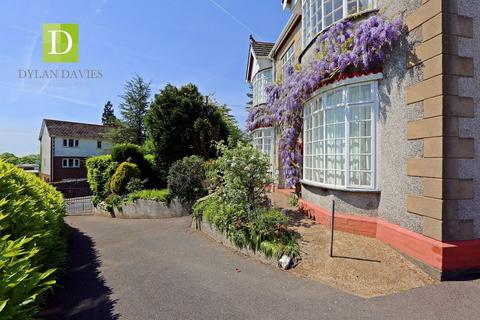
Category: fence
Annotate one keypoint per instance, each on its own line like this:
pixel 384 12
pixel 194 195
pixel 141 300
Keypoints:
pixel 79 205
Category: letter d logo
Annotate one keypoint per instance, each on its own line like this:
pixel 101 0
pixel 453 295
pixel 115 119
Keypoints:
pixel 60 42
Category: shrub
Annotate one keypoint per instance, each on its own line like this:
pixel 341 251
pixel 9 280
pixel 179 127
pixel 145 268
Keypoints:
pixel 163 195
pixel 293 200
pixel 244 175
pixel 135 184
pixel 99 171
pixel 264 230
pixel 127 152
pixel 32 243
pixel 186 179
pixel 113 201
pixel 125 172
pixel 240 207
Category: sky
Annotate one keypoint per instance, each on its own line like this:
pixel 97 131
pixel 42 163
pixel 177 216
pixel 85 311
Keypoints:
pixel 204 42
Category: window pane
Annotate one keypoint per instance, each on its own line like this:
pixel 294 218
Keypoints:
pixel 64 142
pixel 70 142
pixel 70 162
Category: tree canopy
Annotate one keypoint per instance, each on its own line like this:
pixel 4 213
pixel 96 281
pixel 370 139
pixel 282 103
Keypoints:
pixel 108 116
pixel 182 122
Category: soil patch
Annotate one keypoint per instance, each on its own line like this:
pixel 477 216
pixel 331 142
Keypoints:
pixel 362 266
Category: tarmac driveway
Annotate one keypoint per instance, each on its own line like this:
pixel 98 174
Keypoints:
pixel 160 269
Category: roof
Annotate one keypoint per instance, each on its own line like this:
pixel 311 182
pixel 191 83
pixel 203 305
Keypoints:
pixel 59 128
pixel 257 50
pixel 261 49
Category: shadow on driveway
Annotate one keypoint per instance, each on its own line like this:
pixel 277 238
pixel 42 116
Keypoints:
pixel 81 292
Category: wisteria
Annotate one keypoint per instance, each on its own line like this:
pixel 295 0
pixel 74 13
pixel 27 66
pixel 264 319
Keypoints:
pixel 259 117
pixel 344 50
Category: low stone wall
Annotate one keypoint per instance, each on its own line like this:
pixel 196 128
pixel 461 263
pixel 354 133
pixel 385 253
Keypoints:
pixel 148 209
pixel 213 233
pixel 145 209
pixel 99 211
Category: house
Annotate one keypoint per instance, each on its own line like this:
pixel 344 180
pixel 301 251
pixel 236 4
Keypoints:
pixel 396 147
pixel 30 168
pixel 64 147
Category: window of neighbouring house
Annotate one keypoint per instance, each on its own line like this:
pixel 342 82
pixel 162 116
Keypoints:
pixel 339 137
pixel 70 143
pixel 288 59
pixel 263 141
pixel 320 14
pixel 260 82
pixel 70 163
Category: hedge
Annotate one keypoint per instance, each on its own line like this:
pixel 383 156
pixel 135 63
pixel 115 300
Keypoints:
pixel 99 171
pixel 33 241
pixel 163 195
pixel 125 172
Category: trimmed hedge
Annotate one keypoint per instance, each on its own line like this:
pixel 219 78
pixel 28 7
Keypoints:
pixel 99 171
pixel 33 241
pixel 163 195
pixel 125 172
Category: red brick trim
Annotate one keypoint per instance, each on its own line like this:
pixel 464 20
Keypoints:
pixel 443 256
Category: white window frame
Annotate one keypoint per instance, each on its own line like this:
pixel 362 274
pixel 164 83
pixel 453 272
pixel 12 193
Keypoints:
pixel 262 148
pixel 75 163
pixel 75 143
pixel 345 84
pixel 312 26
pixel 288 59
pixel 261 80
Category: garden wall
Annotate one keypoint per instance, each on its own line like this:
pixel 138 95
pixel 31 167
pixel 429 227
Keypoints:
pixel 218 236
pixel 146 209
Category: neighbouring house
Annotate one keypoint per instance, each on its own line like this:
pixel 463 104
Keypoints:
pixel 396 147
pixel 64 147
pixel 30 168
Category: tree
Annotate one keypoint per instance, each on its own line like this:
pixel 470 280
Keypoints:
pixel 108 117
pixel 134 106
pixel 182 122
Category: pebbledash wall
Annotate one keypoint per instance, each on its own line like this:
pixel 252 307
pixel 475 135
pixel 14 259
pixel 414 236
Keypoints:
pixel 428 142
pixel 393 147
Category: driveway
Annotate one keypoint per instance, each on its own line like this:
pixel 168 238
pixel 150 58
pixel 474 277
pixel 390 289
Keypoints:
pixel 160 269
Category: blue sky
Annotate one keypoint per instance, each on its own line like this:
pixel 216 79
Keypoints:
pixel 165 41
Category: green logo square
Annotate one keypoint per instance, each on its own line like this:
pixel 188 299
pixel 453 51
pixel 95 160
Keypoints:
pixel 60 42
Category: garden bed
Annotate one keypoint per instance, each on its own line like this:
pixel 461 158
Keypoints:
pixel 209 230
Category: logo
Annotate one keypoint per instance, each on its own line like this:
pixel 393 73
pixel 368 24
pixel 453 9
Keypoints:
pixel 60 42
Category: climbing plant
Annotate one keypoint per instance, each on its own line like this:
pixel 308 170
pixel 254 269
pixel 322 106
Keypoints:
pixel 344 50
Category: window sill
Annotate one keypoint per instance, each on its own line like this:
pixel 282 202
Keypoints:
pixel 352 17
pixel 338 188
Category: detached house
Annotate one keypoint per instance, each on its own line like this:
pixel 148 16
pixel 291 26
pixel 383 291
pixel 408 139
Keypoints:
pixel 396 145
pixel 66 145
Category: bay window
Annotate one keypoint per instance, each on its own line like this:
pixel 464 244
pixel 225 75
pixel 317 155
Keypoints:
pixel 320 14
pixel 288 59
pixel 339 137
pixel 260 82
pixel 263 141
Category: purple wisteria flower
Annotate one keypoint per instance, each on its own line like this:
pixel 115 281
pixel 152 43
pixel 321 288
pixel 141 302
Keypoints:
pixel 344 47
